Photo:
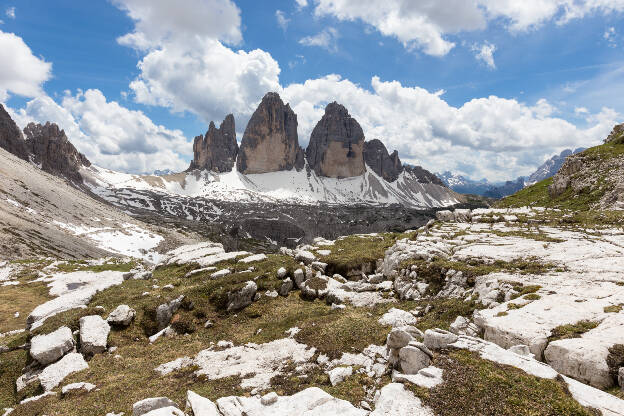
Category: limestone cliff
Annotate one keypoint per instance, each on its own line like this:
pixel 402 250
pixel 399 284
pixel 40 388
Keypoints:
pixel 217 150
pixel 336 144
pixel 376 156
pixel 270 142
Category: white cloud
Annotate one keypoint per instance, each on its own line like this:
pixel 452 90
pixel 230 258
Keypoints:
pixel 489 137
pixel 326 39
pixel 10 12
pixel 282 20
pixel 610 36
pixel 485 54
pixel 110 135
pixel 301 3
pixel 160 21
pixel 21 72
pixel 425 25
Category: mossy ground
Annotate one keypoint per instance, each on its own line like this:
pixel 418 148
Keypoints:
pixel 572 330
pixel 474 386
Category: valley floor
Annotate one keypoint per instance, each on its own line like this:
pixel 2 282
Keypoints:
pixel 483 312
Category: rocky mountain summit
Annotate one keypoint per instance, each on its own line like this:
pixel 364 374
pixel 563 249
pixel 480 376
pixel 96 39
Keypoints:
pixel 387 166
pixel 270 142
pixel 551 166
pixel 46 146
pixel 337 145
pixel 217 150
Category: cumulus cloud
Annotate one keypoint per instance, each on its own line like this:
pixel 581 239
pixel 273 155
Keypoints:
pixel 159 21
pixel 425 25
pixel 21 72
pixel 494 136
pixel 109 134
pixel 10 12
pixel 301 3
pixel 485 54
pixel 326 39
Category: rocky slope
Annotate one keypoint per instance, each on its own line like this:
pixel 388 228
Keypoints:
pixel 551 166
pixel 41 214
pixel 480 312
pixel 270 142
pixel 11 137
pixel 387 166
pixel 592 179
pixel 217 150
pixel 336 145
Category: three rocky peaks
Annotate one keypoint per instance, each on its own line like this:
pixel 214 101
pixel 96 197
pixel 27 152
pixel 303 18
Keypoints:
pixel 337 147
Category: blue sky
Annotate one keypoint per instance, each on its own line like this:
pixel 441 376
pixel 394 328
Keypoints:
pixel 476 87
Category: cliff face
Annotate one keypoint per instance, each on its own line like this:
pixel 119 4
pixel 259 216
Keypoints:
pixel 336 144
pixel 11 138
pixel 376 156
pixel 270 142
pixel 217 150
pixel 50 148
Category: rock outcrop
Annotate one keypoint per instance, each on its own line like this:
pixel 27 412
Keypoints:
pixel 217 150
pixel 336 144
pixel 270 142
pixel 616 133
pixel 11 138
pixel 376 156
pixel 50 149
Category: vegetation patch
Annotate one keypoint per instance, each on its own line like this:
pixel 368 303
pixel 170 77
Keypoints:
pixel 525 291
pixel 444 311
pixel 572 330
pixel 355 252
pixel 613 308
pixel 113 265
pixel 615 359
pixel 474 386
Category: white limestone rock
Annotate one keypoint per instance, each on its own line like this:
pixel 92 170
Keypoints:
pixel 427 377
pixel 414 358
pixel 93 334
pixel 77 386
pixel 48 348
pixel 123 315
pixel 305 256
pixel 145 406
pixel 54 374
pixel 436 339
pixel 166 411
pixel 165 312
pixel 397 317
pixel 309 402
pixel 281 273
pixel 395 400
pixel 338 374
pixel 200 406
pixel 254 258
pixel 398 338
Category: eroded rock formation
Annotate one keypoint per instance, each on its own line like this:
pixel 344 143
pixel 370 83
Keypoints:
pixel 216 150
pixel 11 138
pixel 376 156
pixel 336 144
pixel 50 148
pixel 270 142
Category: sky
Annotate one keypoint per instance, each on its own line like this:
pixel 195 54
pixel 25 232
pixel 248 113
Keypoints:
pixel 483 88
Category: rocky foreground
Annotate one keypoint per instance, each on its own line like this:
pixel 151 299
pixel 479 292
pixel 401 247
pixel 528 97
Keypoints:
pixel 493 312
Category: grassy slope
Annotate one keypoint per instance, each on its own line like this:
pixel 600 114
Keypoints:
pixel 537 194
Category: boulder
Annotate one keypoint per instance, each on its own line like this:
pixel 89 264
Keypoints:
pixel 281 273
pixel 336 145
pixel 398 338
pixel 123 315
pixel 77 386
pixel 462 215
pixel 299 277
pixel 462 326
pixel 217 150
pixel 269 399
pixel 166 411
pixel 46 349
pixel 445 216
pixel 338 374
pixel 523 350
pixel 147 405
pixel 93 334
pixel 270 142
pixel 54 374
pixel 242 298
pixel 414 357
pixel 621 378
pixel 436 339
pixel 581 359
pixel 305 256
pixel 397 317
pixel 395 400
pixel 286 287
pixel 200 406
pixel 165 312
pixel 383 164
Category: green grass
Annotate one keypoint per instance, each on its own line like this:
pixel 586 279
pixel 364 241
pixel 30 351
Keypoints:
pixel 572 330
pixel 114 265
pixel 444 311
pixel 353 253
pixel 474 386
pixel 613 308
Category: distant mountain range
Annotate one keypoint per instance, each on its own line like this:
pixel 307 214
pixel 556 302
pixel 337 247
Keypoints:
pixel 497 190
